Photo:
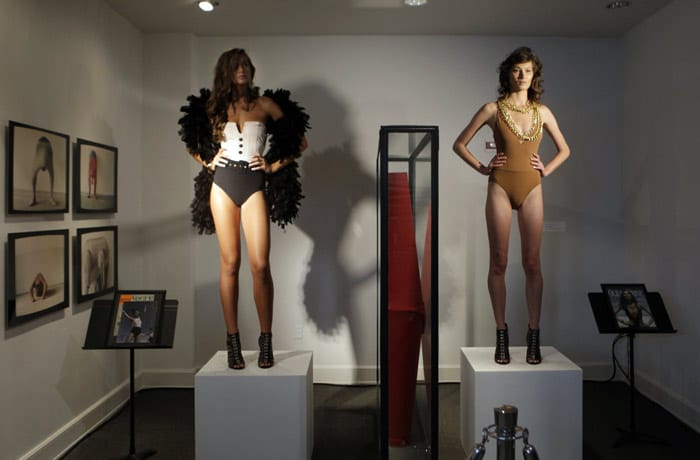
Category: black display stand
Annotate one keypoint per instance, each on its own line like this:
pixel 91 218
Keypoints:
pixel 606 323
pixel 96 339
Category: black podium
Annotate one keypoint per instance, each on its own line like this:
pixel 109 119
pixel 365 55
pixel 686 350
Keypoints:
pixel 97 338
pixel 607 323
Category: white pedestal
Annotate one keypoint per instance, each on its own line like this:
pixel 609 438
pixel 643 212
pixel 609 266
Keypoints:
pixel 253 413
pixel 548 397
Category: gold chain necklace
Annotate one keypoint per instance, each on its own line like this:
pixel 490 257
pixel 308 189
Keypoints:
pixel 535 125
pixel 515 108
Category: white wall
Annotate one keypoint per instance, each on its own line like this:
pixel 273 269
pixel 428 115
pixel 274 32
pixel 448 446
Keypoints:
pixel 165 228
pixel 659 194
pixel 324 266
pixel 75 67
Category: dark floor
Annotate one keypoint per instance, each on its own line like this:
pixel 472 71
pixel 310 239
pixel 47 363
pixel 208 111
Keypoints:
pixel 346 425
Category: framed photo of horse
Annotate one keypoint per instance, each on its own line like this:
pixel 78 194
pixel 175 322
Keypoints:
pixel 95 262
pixel 37 170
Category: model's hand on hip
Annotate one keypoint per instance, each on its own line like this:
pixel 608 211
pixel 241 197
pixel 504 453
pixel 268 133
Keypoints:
pixel 220 160
pixel 497 161
pixel 258 163
pixel 536 163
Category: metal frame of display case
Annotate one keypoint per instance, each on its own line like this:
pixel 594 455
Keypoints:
pixel 383 160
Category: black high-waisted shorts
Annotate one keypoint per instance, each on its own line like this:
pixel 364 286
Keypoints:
pixel 238 181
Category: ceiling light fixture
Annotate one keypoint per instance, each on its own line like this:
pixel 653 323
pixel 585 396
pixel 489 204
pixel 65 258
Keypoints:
pixel 415 2
pixel 207 5
pixel 618 4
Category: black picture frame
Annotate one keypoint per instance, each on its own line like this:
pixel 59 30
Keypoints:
pixel 37 170
pixel 96 262
pixel 96 164
pixel 124 319
pixel 37 274
pixel 629 307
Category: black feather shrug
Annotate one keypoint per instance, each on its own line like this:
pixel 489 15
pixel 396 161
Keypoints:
pixel 282 189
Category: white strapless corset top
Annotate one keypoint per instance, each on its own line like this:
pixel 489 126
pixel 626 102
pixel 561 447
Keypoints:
pixel 243 146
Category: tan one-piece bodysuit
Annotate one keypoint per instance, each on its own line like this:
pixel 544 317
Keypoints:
pixel 517 177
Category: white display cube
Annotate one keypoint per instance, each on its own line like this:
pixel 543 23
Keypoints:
pixel 548 396
pixel 253 413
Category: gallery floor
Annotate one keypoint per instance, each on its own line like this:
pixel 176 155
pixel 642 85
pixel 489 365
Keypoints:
pixel 345 426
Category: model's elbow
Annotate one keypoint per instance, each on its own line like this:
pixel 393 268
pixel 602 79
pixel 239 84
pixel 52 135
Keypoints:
pixel 566 153
pixel 457 147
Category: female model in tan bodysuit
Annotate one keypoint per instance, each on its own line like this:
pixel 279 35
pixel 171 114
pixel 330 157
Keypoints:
pixel 517 120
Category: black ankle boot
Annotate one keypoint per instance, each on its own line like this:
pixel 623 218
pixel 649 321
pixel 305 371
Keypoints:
pixel 233 347
pixel 266 359
pixel 502 355
pixel 533 355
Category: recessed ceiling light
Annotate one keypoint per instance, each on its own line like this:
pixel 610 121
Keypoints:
pixel 618 4
pixel 415 2
pixel 208 5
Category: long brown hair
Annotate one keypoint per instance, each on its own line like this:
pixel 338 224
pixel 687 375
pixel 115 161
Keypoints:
pixel 520 55
pixel 224 90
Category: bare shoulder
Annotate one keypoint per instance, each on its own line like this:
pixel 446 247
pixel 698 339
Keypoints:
pixel 547 114
pixel 544 110
pixel 265 101
pixel 270 107
pixel 487 113
pixel 490 108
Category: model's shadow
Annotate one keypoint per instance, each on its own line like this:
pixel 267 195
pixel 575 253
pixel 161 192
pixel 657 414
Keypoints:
pixel 335 183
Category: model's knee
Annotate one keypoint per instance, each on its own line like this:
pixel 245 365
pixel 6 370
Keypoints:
pixel 532 266
pixel 498 265
pixel 261 271
pixel 230 266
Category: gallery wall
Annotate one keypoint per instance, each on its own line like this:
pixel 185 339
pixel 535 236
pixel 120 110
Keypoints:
pixel 662 225
pixel 74 67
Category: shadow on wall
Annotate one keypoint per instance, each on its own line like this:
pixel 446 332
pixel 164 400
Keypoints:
pixel 334 184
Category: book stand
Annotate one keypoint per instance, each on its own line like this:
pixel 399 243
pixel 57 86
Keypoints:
pixel 97 339
pixel 606 323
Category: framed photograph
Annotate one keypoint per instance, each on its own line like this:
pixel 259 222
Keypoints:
pixel 136 317
pixel 95 177
pixel 37 170
pixel 37 274
pixel 95 262
pixel 629 306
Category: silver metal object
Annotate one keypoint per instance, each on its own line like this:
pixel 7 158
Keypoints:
pixel 506 431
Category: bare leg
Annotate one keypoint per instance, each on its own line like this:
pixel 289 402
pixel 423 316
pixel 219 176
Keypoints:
pixel 498 219
pixel 227 218
pixel 256 226
pixel 36 173
pixel 51 198
pixel 531 221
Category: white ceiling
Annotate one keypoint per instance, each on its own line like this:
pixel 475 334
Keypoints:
pixel 565 18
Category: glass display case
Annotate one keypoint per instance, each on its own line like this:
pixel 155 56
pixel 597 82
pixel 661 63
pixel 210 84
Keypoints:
pixel 407 167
